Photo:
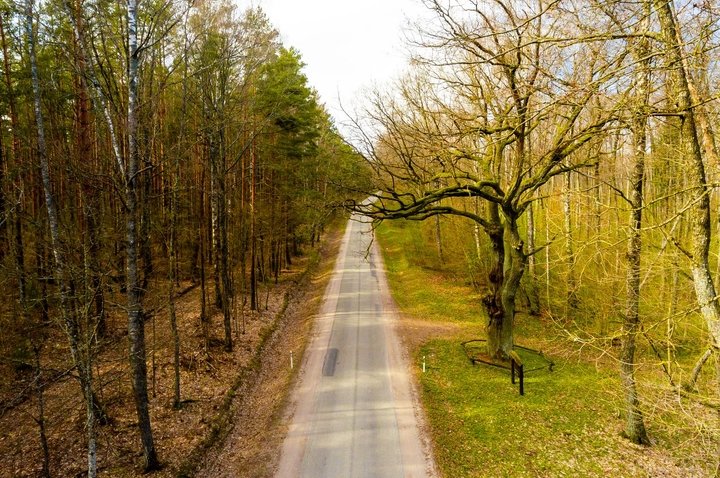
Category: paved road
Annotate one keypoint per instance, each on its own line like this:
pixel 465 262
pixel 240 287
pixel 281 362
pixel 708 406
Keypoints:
pixel 353 410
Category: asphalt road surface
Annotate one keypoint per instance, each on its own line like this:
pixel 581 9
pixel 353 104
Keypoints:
pixel 353 413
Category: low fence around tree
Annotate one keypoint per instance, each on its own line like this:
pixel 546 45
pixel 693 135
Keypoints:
pixel 476 354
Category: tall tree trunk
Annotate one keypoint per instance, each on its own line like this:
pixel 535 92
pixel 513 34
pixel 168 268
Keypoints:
pixel 171 285
pixel 72 328
pixel 224 252
pixel 4 210
pixel 41 267
pixel 42 428
pixel 172 247
pixel 90 421
pixel 548 295
pixel 218 203
pixel 289 233
pixel 700 142
pixel 515 263
pixel 253 235
pixel 572 298
pixel 498 344
pixel 215 205
pixel 91 206
pixel 18 247
pixel 136 327
pixel 204 317
pixel 634 424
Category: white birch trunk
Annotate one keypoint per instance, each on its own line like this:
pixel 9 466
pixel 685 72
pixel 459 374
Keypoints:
pixel 136 326
pixel 701 145
pixel 83 364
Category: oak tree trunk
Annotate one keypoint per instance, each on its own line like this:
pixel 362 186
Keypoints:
pixel 499 343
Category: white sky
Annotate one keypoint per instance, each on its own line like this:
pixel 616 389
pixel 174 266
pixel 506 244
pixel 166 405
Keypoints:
pixel 347 45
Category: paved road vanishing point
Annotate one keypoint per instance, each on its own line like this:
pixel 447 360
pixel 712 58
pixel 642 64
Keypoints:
pixel 354 414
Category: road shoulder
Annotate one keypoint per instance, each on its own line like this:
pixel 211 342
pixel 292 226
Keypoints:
pixel 252 447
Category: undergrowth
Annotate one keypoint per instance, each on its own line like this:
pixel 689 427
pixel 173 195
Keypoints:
pixel 569 421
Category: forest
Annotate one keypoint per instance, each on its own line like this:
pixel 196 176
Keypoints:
pixel 562 157
pixel 168 175
pixel 150 153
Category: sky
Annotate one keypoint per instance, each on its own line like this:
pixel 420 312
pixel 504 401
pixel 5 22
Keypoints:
pixel 347 45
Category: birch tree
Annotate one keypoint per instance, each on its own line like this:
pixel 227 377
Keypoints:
pixel 701 149
pixel 83 362
pixel 136 326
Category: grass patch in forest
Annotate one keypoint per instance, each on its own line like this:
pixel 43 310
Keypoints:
pixel 567 424
pixel 483 427
pixel 423 290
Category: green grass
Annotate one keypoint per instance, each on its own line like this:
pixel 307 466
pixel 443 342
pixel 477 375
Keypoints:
pixel 420 288
pixel 567 424
pixel 483 427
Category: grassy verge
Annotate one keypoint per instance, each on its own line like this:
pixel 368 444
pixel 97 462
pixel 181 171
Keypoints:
pixel 568 422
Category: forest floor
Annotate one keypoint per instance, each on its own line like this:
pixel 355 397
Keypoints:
pixel 569 421
pixel 252 448
pixel 228 425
